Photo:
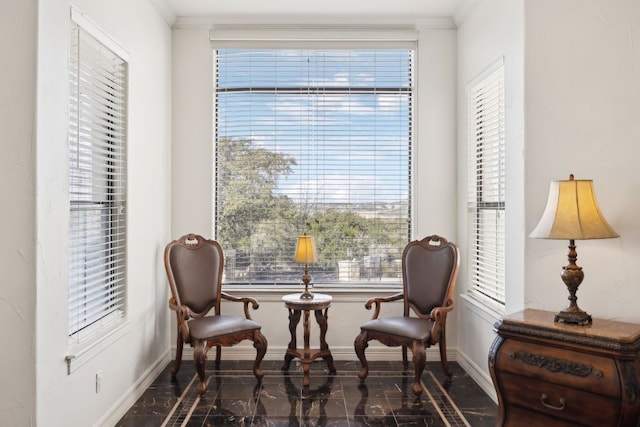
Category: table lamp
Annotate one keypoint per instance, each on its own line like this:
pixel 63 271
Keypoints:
pixel 306 253
pixel 572 213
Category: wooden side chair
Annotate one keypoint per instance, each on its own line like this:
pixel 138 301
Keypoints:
pixel 429 272
pixel 194 268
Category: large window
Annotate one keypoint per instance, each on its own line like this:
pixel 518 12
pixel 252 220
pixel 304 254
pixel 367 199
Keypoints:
pixel 314 141
pixel 97 184
pixel 486 139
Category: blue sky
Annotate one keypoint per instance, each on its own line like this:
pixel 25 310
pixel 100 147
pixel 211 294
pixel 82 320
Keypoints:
pixel 350 143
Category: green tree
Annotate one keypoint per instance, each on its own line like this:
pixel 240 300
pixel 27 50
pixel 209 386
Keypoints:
pixel 246 183
pixel 344 235
pixel 262 226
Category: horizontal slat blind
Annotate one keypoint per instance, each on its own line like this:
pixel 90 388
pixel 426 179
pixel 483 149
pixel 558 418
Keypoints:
pixel 315 141
pixel 97 183
pixel 487 187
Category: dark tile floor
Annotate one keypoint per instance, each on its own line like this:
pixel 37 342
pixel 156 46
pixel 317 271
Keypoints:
pixel 235 398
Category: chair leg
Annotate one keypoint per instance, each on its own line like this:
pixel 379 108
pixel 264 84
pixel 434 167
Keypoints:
pixel 405 361
pixel 200 359
pixel 179 344
pixel 260 344
pixel 360 344
pixel 419 362
pixel 443 355
pixel 218 356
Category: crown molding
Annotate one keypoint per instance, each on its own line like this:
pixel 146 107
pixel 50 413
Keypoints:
pixel 305 21
pixel 465 9
pixel 165 11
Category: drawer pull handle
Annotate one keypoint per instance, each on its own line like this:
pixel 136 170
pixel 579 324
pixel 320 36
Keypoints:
pixel 543 399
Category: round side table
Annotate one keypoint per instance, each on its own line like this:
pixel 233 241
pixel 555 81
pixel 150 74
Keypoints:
pixel 296 306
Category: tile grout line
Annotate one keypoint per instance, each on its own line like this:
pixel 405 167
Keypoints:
pixel 435 405
pixel 451 402
pixel 193 406
pixel 178 402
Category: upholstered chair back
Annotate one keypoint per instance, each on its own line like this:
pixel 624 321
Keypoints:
pixel 196 266
pixel 427 269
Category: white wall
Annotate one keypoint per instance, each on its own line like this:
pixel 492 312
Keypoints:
pixel 574 67
pixel 435 202
pixel 192 153
pixel 18 30
pixel 582 109
pixel 131 356
pixel 492 30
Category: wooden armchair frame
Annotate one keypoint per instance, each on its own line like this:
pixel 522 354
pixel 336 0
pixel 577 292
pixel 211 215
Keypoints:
pixel 429 273
pixel 194 268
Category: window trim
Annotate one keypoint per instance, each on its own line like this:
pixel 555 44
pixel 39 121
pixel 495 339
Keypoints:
pixel 313 37
pixel 86 344
pixel 491 302
pixel 328 37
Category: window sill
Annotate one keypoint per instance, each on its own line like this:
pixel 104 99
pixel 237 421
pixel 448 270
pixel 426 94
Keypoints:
pixel 488 313
pixel 339 293
pixel 85 351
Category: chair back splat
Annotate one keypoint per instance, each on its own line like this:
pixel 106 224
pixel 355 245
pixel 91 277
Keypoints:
pixel 427 275
pixel 196 267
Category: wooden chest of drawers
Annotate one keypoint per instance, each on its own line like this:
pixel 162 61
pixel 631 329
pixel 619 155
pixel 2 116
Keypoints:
pixel 556 374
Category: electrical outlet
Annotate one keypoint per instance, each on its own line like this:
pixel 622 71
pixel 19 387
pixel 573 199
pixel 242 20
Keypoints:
pixel 98 381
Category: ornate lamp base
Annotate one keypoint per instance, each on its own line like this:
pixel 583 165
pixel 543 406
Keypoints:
pixel 306 279
pixel 306 294
pixel 578 317
pixel 572 276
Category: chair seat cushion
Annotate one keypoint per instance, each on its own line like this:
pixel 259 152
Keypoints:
pixel 209 327
pixel 411 328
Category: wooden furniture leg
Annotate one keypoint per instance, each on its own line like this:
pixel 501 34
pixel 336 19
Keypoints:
pixel 294 319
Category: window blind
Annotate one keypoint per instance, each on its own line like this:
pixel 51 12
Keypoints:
pixel 313 141
pixel 97 184
pixel 486 103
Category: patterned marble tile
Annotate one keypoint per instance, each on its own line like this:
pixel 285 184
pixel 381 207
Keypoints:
pixel 235 398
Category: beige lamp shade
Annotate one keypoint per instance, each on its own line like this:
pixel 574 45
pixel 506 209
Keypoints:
pixel 572 213
pixel 306 252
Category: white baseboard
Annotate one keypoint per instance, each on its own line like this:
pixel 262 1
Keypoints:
pixel 479 375
pixel 373 353
pixel 122 405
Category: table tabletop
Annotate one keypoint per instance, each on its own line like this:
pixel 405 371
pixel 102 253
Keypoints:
pixel 318 302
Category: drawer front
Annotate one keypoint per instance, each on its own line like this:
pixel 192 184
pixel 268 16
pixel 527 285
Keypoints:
pixel 519 417
pixel 584 371
pixel 560 402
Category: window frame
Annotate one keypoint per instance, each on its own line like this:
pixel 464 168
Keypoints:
pixel 90 338
pixel 487 162
pixel 224 37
